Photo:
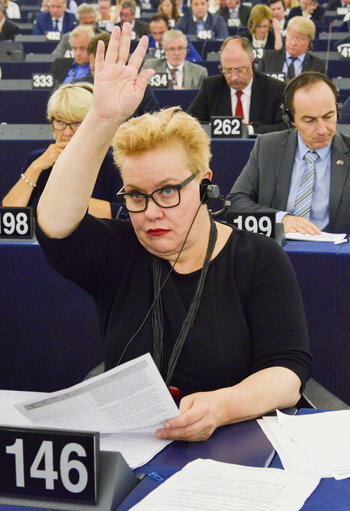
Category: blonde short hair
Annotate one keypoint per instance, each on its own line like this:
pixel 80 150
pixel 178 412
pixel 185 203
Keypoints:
pixel 303 25
pixel 151 131
pixel 81 29
pixel 85 9
pixel 174 34
pixel 70 101
pixel 258 13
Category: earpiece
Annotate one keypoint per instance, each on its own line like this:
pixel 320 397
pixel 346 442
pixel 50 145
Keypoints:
pixel 208 191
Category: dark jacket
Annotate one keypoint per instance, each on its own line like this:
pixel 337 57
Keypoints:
pixel 273 61
pixel 317 16
pixel 140 28
pixel 9 30
pixel 43 23
pixel 213 22
pixel 214 98
pixel 243 14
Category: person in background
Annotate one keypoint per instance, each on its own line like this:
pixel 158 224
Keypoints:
pixel 57 19
pixel 182 7
pixel 8 29
pixel 128 14
pixel 159 26
pixel 235 10
pixel 309 9
pixel 66 69
pixel 278 9
pixel 182 74
pixel 200 19
pixel 302 174
pixel 149 102
pixel 105 17
pixel 231 305
pixel 264 31
pixel 12 9
pixel 66 109
pixel 44 6
pixel 86 16
pixel 240 91
pixel 169 9
pixel 295 57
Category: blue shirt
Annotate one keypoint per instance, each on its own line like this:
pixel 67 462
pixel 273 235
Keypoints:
pixel 319 214
pixel 77 72
pixel 298 63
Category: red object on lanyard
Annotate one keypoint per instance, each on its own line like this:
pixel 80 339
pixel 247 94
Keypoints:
pixel 239 106
pixel 175 392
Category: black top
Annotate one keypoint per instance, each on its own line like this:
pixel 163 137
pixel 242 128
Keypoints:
pixel 251 314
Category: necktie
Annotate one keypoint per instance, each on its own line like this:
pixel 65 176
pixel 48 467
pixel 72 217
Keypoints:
pixel 239 106
pixel 55 25
pixel 302 206
pixel 291 68
pixel 173 75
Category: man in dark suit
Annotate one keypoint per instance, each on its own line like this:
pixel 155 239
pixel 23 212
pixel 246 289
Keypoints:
pixel 128 14
pixel 303 175
pixel 240 92
pixel 66 69
pixel 57 19
pixel 235 13
pixel 294 58
pixel 8 29
pixel 309 9
pixel 200 20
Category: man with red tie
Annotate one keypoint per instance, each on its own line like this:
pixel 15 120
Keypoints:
pixel 239 91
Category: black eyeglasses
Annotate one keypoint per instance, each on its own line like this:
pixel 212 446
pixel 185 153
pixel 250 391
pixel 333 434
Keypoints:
pixel 166 197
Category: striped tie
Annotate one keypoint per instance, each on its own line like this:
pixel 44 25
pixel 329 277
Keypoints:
pixel 302 206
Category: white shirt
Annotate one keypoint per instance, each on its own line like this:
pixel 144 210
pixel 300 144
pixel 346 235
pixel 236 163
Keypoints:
pixel 59 24
pixel 12 11
pixel 245 99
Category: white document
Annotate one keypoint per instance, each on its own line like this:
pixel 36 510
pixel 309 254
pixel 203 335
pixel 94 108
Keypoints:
pixel 206 485
pixel 324 236
pixel 312 444
pixel 126 404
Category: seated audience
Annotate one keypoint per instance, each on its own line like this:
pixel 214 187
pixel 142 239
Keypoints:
pixel 200 20
pixel 86 15
pixel 264 31
pixel 240 91
pixel 301 174
pixel 149 102
pixel 309 9
pixel 105 16
pixel 237 12
pixel 57 19
pixel 66 109
pixel 8 29
pixel 279 13
pixel 159 26
pixel 66 69
pixel 169 9
pixel 12 9
pixel 182 74
pixel 128 14
pixel 219 309
pixel 295 58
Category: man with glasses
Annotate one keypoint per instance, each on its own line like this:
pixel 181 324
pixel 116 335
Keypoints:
pixel 240 92
pixel 128 14
pixel 182 74
pixel 294 58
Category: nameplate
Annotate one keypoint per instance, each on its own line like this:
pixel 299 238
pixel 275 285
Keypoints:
pixel 226 127
pixel 43 81
pixel 341 11
pixel 204 34
pixel 160 81
pixel 344 50
pixel 233 22
pixel 48 463
pixel 277 74
pixel 260 222
pixel 171 23
pixel 53 35
pixel 258 53
pixel 16 223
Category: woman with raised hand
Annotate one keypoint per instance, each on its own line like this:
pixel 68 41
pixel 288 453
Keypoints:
pixel 219 309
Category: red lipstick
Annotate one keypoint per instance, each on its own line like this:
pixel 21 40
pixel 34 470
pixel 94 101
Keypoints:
pixel 157 232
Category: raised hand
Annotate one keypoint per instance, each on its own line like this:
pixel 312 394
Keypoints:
pixel 119 86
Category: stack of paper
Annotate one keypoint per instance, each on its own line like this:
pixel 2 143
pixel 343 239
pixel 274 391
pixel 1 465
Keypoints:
pixel 126 405
pixel 208 485
pixel 312 444
pixel 324 236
